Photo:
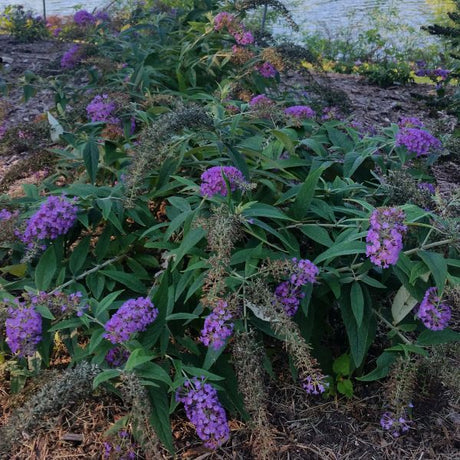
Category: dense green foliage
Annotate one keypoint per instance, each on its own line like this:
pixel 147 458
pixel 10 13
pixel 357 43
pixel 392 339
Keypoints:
pixel 144 228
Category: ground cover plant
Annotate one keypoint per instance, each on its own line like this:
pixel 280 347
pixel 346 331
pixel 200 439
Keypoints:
pixel 204 228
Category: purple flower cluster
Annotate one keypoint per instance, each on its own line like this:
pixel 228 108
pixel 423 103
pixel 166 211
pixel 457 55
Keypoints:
pixel 410 122
pixel 213 182
pixel 229 22
pixel 424 71
pixel 417 141
pixel 260 102
pixel 5 214
pixel 426 186
pixel 385 236
pixel 72 57
pixel 101 108
pixel 314 384
pixel 204 410
pixel 55 217
pixel 133 316
pixel 23 328
pixel 299 111
pixel 289 293
pixel 125 449
pixel 433 313
pixel 304 271
pixel 217 327
pixel 289 297
pixel 117 356
pixel 267 70
pixel 397 425
pixel 84 18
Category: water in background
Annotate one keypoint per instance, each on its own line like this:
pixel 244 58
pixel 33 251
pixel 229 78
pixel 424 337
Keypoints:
pixel 309 14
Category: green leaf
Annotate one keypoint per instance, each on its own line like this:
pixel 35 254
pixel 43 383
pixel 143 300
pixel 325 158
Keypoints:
pixel 198 372
pixel 192 238
pixel 78 256
pixel 45 270
pixel 428 337
pixel 106 302
pixel 357 302
pixel 438 267
pixel 160 415
pixel 177 316
pixel 137 357
pixel 342 249
pixel 345 387
pixel 318 234
pixel 238 161
pixel 384 361
pixel 104 376
pixel 264 210
pixel 402 305
pixel 129 280
pixel 91 158
pixel 153 371
pixel 306 193
pixel 360 338
pixel 342 365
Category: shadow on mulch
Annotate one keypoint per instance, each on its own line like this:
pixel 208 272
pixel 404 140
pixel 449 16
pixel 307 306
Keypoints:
pixel 325 430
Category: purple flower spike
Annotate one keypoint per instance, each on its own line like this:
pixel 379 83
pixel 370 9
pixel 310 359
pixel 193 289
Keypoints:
pixel 213 182
pixel 289 297
pixel 23 329
pixel 304 272
pixel 55 217
pixel 433 313
pixel 417 141
pixel 133 316
pixel 314 384
pixel 385 236
pixel 72 57
pixel 300 111
pixel 204 410
pixel 101 109
pixel 217 328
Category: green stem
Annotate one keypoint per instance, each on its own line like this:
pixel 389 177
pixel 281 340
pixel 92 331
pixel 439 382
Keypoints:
pixel 392 327
pixel 88 272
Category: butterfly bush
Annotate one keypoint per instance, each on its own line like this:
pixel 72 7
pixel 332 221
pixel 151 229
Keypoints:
pixel 410 122
pixel 417 141
pixel 260 101
pixel 434 313
pixel 5 214
pixel 217 326
pixel 117 356
pixel 385 236
pixel 289 297
pixel 314 384
pixel 133 316
pixel 72 57
pixel 267 70
pixel 55 217
pixel 204 410
pixel 289 293
pixel 213 183
pixel 394 424
pixel 101 108
pixel 23 328
pixel 84 18
pixel 227 21
pixel 300 111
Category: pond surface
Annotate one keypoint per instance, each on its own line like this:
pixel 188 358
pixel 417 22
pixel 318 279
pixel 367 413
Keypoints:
pixel 309 14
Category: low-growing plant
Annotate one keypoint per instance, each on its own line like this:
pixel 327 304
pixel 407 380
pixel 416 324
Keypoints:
pixel 23 25
pixel 224 220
